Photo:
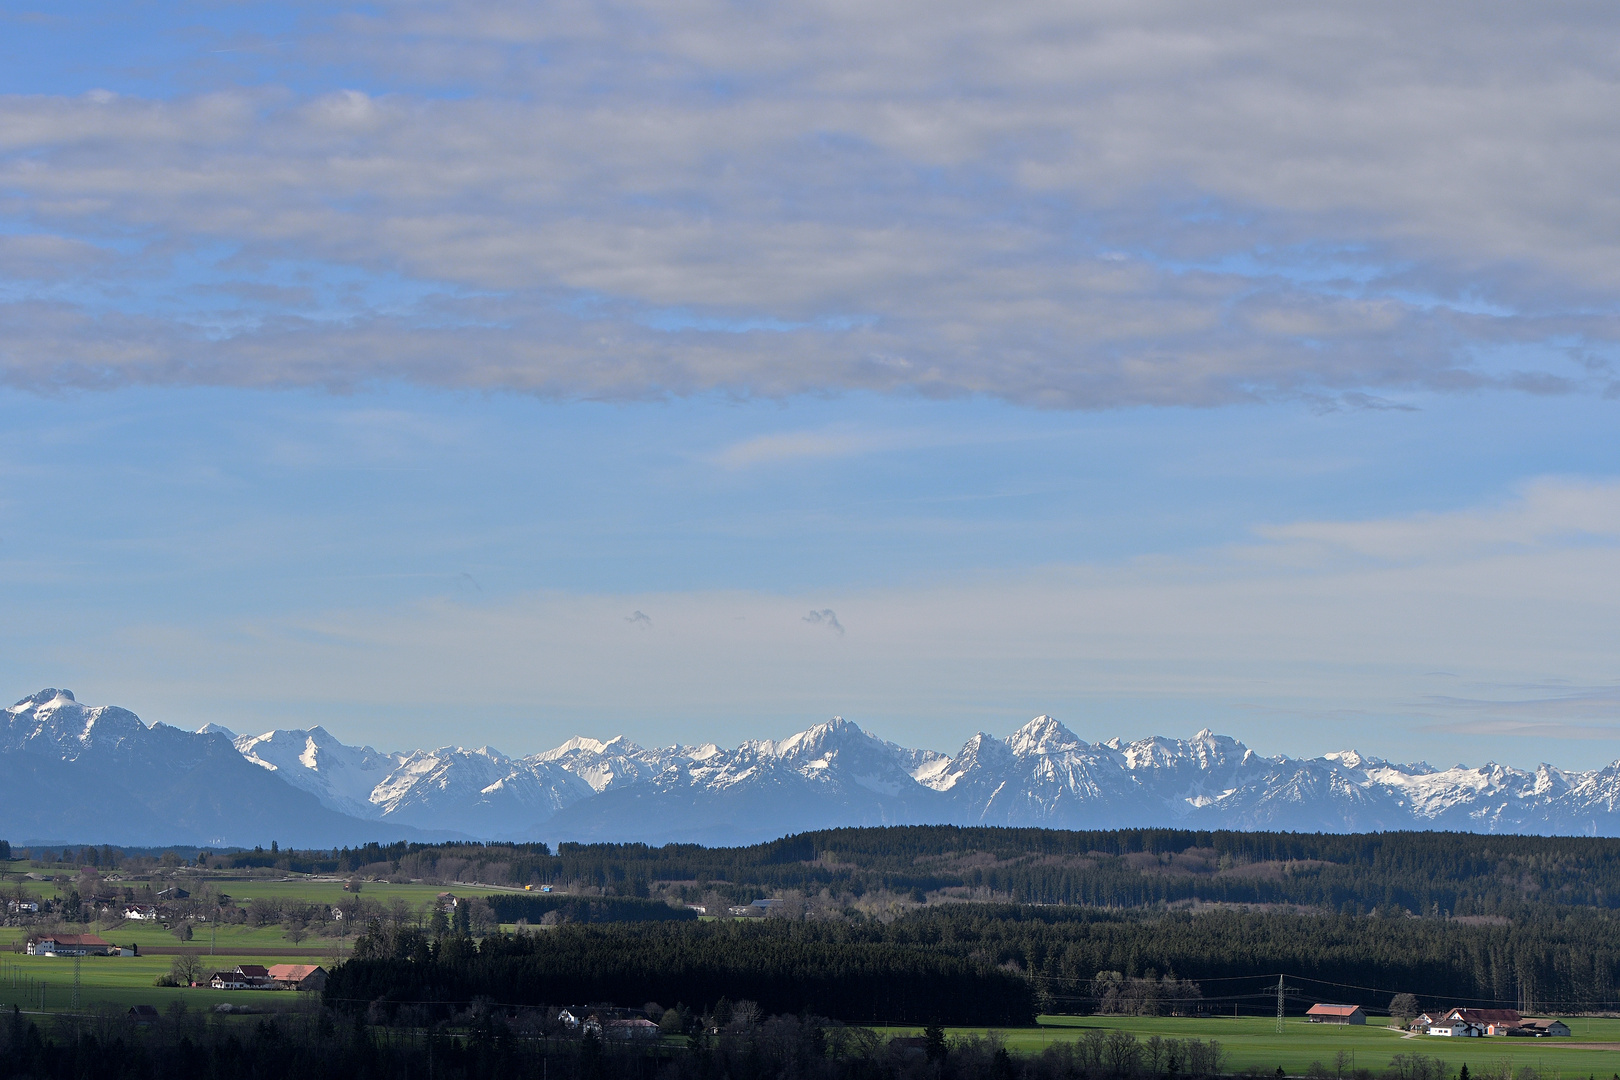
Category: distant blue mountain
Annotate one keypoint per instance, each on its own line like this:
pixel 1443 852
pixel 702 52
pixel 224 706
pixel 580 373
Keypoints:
pixel 71 773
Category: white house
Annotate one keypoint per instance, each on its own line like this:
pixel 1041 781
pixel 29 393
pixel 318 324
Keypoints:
pixel 69 945
pixel 1457 1029
pixel 141 914
pixel 757 908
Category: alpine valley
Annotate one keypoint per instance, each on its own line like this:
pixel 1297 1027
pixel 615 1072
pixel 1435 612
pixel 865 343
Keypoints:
pixel 68 772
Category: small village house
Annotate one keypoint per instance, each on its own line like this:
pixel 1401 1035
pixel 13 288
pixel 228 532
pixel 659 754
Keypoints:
pixel 141 914
pixel 756 909
pixel 257 976
pixel 243 977
pixel 637 1030
pixel 1540 1028
pixel 144 1015
pixel 1456 1029
pixel 1336 1014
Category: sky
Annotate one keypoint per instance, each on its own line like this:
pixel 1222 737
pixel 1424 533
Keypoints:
pixel 490 373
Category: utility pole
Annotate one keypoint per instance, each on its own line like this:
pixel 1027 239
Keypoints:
pixel 1280 1004
pixel 78 958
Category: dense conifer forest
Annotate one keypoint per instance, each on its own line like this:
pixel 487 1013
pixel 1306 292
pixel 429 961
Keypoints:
pixel 999 964
pixel 1426 874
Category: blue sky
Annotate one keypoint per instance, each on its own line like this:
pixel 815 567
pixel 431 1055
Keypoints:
pixel 487 373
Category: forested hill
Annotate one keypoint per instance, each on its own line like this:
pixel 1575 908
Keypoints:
pixel 1422 873
pixel 1520 921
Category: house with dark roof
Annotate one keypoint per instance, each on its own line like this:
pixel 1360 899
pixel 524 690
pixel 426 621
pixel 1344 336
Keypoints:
pixel 243 977
pixel 257 976
pixel 1486 1017
pixel 639 1029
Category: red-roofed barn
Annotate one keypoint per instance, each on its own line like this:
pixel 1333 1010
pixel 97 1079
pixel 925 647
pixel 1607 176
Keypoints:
pixel 1335 1014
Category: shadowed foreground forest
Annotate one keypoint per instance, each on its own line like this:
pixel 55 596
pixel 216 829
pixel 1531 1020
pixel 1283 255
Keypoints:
pixel 312 1046
pixel 996 964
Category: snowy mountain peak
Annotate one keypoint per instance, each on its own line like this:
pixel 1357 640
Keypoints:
pixel 217 729
pixel 582 743
pixel 1044 735
pixel 828 737
pixel 47 698
pixel 1354 761
pixel 52 720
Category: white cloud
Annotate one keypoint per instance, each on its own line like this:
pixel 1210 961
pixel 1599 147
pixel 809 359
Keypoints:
pixel 811 445
pixel 1063 206
pixel 1544 512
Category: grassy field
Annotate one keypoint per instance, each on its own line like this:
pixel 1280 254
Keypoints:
pixel 243 887
pixel 123 981
pixel 318 891
pixel 1253 1043
pixel 234 939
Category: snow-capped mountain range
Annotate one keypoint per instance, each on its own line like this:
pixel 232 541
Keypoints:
pixel 836 774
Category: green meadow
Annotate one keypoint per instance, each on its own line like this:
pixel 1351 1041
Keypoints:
pixel 1252 1043
pixel 122 981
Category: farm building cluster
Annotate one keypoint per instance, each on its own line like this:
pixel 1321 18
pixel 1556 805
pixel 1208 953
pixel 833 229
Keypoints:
pixel 1452 1024
pixel 274 977
pixel 75 945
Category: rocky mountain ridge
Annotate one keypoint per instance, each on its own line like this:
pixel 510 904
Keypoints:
pixel 1040 775
pixel 833 774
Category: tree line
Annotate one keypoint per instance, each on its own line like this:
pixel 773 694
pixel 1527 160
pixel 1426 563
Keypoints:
pixel 995 964
pixel 1423 873
pixel 534 908
pixel 784 966
pixel 486 1043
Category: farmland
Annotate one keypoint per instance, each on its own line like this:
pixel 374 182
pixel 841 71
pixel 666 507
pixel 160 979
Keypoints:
pixel 1253 1043
pixel 240 914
